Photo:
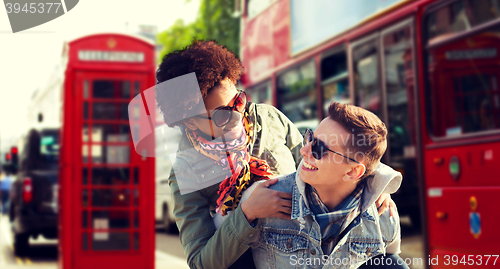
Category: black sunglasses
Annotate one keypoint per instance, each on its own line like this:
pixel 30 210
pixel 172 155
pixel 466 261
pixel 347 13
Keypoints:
pixel 222 115
pixel 318 147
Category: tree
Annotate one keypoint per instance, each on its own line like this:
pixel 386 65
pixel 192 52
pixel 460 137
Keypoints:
pixel 178 36
pixel 219 23
pixel 215 20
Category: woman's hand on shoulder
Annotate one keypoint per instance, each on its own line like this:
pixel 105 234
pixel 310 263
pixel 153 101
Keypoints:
pixel 264 202
pixel 385 202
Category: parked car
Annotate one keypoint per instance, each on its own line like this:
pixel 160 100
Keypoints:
pixel 33 195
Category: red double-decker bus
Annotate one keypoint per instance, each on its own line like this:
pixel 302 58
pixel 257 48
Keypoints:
pixel 428 68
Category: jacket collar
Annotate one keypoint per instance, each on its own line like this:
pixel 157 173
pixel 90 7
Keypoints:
pixel 300 205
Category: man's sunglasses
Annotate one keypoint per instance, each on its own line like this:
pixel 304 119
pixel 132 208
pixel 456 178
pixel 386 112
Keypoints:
pixel 222 115
pixel 318 147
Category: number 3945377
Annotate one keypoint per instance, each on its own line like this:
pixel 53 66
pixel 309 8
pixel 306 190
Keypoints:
pixel 33 7
pixel 470 259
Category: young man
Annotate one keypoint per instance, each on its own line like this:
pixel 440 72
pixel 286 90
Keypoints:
pixel 224 140
pixel 334 221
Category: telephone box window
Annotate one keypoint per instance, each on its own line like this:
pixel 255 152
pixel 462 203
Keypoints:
pixel 85 89
pixel 85 219
pixel 136 176
pixel 85 110
pixel 111 197
pixel 85 154
pixel 85 172
pixel 113 219
pixel 136 219
pixel 85 198
pixel 136 197
pixel 136 88
pixel 110 241
pixel 109 111
pixel 111 89
pixel 110 154
pixel 110 176
pixel 110 133
pixel 85 133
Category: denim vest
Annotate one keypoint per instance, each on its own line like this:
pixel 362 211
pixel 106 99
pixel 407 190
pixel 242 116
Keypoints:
pixel 296 243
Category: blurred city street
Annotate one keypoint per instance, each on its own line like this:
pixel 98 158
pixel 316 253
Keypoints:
pixel 43 252
pixel 100 134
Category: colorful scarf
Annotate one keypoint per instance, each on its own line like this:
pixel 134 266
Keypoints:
pixel 232 155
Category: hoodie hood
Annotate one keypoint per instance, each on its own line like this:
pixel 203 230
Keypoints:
pixel 383 180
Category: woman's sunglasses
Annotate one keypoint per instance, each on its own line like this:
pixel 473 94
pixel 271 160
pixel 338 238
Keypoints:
pixel 223 114
pixel 318 147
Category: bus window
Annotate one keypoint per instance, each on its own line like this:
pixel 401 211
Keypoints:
pixel 366 83
pixel 400 86
pixel 262 93
pixel 463 95
pixel 334 79
pixel 399 80
pixel 460 16
pixel 297 93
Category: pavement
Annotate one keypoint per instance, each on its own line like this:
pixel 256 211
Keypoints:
pixel 43 254
pixel 412 245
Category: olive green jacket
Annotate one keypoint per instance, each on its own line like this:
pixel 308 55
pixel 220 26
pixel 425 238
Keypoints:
pixel 276 140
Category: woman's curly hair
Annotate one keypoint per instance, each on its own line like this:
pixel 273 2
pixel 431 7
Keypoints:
pixel 210 61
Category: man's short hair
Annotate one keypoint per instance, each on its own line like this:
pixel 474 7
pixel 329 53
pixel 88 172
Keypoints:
pixel 368 133
pixel 210 61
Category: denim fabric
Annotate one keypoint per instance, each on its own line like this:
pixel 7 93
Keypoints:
pixel 296 243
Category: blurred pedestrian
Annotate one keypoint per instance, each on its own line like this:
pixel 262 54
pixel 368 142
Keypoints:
pixel 5 184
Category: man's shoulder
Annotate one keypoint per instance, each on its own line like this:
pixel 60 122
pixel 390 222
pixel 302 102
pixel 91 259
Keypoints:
pixel 285 183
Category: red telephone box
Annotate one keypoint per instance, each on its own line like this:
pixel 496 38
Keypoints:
pixel 106 188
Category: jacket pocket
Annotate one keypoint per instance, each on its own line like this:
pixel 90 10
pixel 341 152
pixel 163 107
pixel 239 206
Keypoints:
pixel 362 251
pixel 286 242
